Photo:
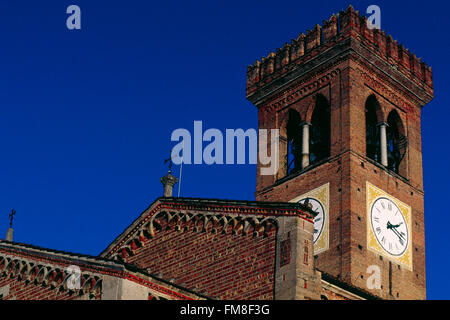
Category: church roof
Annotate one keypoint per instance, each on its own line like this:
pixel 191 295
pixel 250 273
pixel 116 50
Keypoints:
pixel 96 265
pixel 58 254
pixel 214 207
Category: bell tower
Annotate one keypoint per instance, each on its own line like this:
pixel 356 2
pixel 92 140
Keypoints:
pixel 347 102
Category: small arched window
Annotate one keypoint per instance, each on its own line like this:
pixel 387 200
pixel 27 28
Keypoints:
pixel 294 142
pixel 372 129
pixel 396 143
pixel 320 130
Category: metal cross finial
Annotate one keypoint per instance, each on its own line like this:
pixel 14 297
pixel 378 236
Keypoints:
pixel 11 217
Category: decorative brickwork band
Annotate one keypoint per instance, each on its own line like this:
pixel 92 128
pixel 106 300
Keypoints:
pixel 48 275
pixel 196 222
pixel 203 216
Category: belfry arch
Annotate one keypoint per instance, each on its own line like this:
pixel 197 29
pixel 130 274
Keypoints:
pixel 319 142
pixel 374 118
pixel 396 142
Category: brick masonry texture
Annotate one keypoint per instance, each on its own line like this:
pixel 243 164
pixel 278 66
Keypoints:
pixel 220 248
pixel 32 278
pixel 33 273
pixel 219 265
pixel 223 249
pixel 346 67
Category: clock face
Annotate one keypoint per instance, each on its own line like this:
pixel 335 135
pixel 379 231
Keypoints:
pixel 389 226
pixel 319 220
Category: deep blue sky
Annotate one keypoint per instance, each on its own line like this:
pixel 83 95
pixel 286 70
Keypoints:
pixel 86 116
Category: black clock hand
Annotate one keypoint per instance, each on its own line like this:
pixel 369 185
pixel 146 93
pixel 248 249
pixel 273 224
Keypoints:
pixel 392 227
pixel 398 234
pixel 401 235
pixel 397 225
pixel 400 238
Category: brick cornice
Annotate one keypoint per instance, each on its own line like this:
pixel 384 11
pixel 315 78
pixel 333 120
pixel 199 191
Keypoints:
pixel 32 268
pixel 227 212
pixel 39 272
pixel 376 79
pixel 299 90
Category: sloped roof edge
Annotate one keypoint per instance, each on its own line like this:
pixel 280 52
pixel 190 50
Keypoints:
pixel 272 208
pixel 84 259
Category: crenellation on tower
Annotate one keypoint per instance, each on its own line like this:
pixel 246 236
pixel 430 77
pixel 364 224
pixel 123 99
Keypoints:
pixel 314 37
pixel 330 28
pixel 392 49
pixel 337 29
pixel 282 56
pixel 403 56
pixel 298 47
pixel 365 31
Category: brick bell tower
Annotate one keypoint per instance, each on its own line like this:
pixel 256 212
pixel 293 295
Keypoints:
pixel 347 101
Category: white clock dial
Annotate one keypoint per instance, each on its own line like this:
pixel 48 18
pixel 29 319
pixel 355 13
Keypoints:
pixel 389 226
pixel 319 220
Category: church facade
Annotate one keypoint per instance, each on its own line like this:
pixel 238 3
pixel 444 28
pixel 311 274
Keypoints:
pixel 342 218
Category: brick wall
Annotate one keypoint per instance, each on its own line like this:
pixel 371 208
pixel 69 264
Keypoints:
pixel 336 171
pixel 23 278
pixel 20 290
pixel 224 266
pixel 346 75
pixel 347 171
pixel 31 273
